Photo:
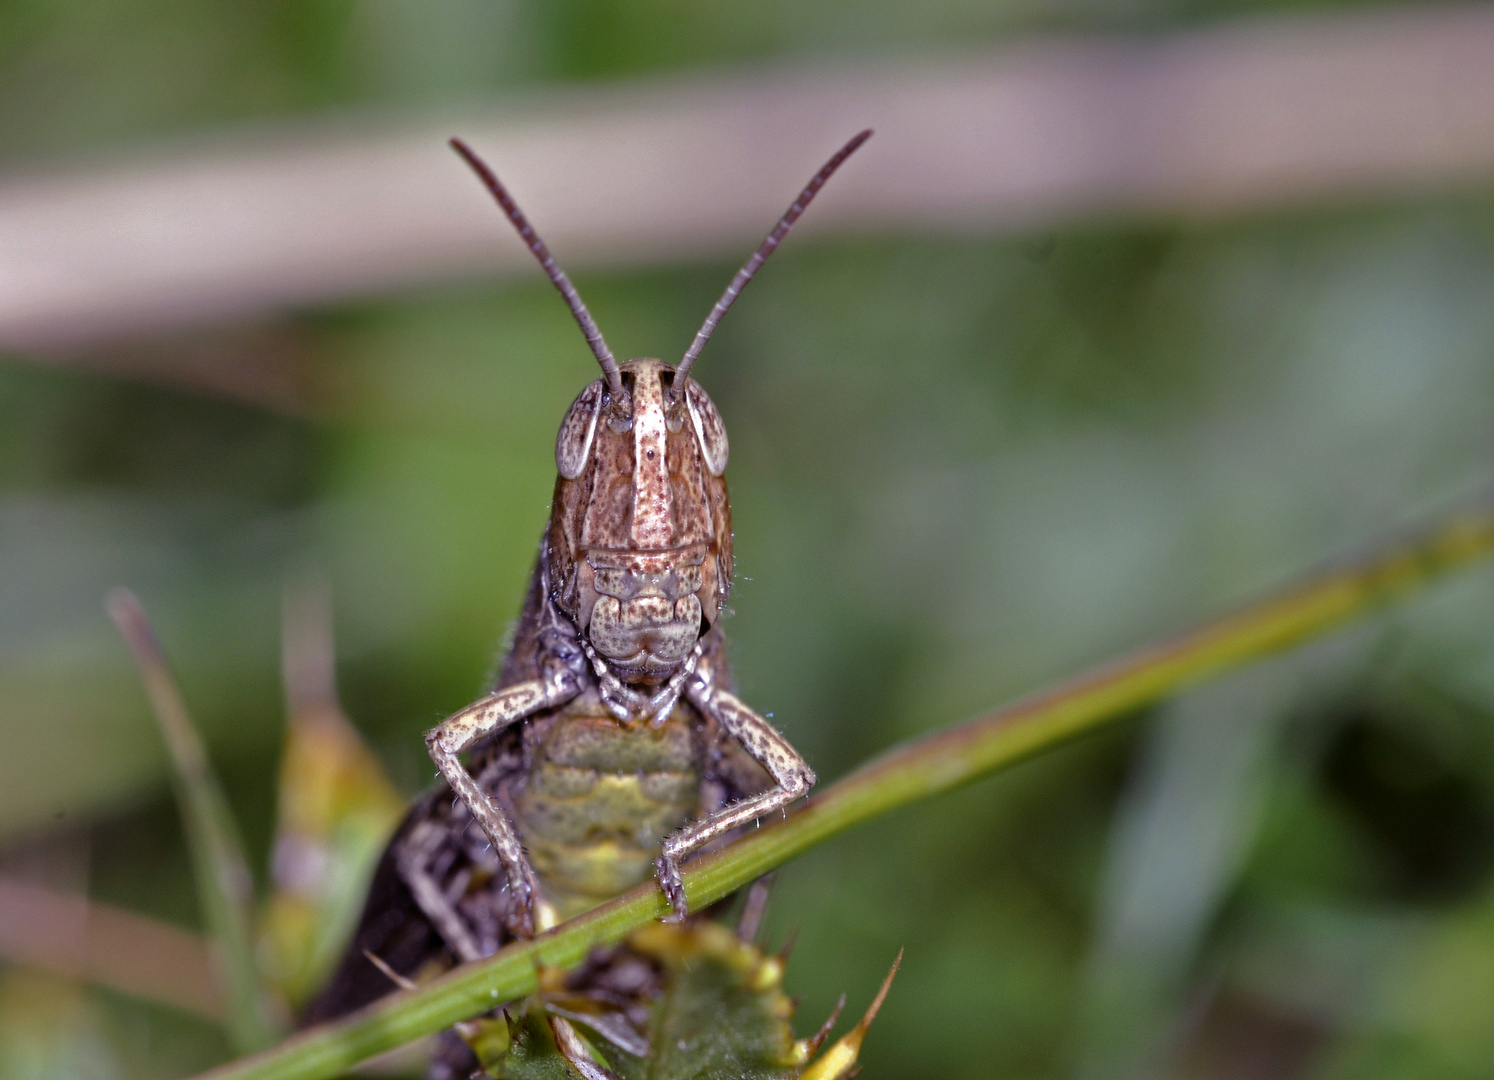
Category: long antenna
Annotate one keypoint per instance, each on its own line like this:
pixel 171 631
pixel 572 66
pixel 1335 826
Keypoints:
pixel 547 261
pixel 760 256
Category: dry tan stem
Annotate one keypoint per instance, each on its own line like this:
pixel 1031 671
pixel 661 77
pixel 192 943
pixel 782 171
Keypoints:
pixel 71 935
pixel 1236 118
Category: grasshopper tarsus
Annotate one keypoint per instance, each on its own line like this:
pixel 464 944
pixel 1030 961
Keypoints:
pixel 667 871
pixel 520 920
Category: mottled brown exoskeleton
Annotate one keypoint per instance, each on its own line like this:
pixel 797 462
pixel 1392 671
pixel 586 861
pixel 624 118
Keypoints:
pixel 611 746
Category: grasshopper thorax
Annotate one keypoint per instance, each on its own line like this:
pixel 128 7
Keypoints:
pixel 640 528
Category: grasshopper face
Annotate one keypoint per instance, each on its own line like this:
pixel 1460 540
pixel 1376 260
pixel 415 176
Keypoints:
pixel 640 530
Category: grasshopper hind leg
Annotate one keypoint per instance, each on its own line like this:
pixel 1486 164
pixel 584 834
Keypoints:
pixel 416 860
pixel 459 880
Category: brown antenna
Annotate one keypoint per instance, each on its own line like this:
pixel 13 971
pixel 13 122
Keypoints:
pixel 760 256
pixel 547 261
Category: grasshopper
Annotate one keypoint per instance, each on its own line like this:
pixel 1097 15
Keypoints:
pixel 611 746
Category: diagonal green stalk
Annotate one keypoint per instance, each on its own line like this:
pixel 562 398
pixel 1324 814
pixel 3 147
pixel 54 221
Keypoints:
pixel 916 770
pixel 225 888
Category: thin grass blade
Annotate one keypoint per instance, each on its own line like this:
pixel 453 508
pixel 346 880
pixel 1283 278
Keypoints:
pixel 224 885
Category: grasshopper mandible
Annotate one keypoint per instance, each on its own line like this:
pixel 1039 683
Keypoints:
pixel 611 746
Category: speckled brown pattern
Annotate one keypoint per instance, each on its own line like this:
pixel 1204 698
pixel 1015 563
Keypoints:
pixel 640 539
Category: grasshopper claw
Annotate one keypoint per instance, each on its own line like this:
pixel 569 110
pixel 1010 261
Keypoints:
pixel 519 918
pixel 668 873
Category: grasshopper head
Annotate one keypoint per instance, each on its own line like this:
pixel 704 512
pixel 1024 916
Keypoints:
pixel 640 528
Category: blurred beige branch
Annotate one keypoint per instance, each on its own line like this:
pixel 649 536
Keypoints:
pixel 69 934
pixel 1231 119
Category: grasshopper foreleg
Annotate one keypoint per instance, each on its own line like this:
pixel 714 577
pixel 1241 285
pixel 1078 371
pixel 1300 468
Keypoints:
pixel 791 775
pixel 457 733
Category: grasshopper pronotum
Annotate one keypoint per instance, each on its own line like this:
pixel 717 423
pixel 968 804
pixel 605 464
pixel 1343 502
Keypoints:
pixel 611 746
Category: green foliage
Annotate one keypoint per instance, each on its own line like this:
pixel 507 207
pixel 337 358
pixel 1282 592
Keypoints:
pixel 720 1014
pixel 525 1049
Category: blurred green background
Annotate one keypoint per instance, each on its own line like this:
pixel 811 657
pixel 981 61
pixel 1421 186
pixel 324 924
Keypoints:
pixel 963 467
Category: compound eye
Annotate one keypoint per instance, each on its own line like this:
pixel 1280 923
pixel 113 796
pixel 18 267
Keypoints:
pixel 710 432
pixel 573 444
